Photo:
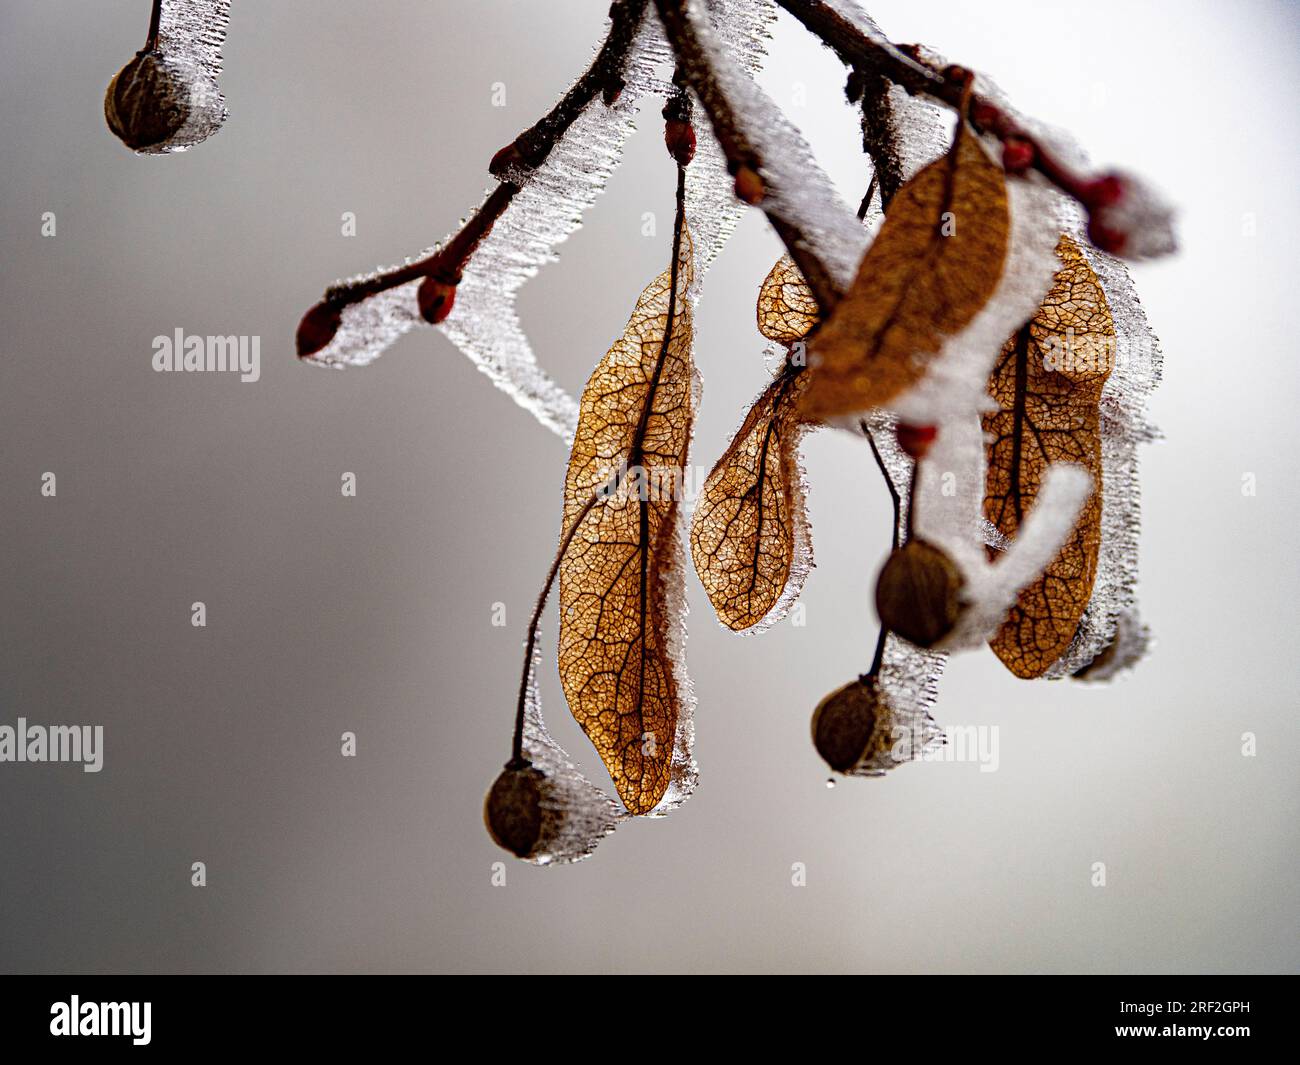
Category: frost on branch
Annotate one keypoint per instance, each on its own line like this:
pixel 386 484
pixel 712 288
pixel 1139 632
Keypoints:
pixel 934 342
pixel 547 208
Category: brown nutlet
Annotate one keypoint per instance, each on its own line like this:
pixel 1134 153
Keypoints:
pixel 845 721
pixel 513 809
pixel 147 102
pixel 918 593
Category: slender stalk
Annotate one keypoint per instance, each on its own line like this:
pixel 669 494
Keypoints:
pixel 518 759
pixel 155 23
pixel 877 659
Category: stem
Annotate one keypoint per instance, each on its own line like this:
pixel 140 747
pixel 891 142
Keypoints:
pixel 736 145
pixel 888 60
pixel 527 152
pixel 879 657
pixel 517 760
pixel 155 22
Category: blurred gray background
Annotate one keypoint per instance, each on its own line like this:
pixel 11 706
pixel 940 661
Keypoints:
pixel 374 614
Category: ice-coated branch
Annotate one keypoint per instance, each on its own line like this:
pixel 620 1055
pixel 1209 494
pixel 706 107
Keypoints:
pixel 1126 217
pixel 821 234
pixel 511 166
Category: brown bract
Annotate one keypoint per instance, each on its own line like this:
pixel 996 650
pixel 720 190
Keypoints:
pixel 1047 384
pixel 934 264
pixel 746 523
pixel 619 576
pixel 787 309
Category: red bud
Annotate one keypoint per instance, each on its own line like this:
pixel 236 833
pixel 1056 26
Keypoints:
pixel 436 299
pixel 915 440
pixel 679 137
pixel 1018 155
pixel 317 328
pixel 1102 191
pixel 507 159
pixel 749 186
pixel 1106 238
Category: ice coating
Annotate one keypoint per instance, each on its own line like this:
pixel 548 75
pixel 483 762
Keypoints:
pixel 190 36
pixel 543 213
pixel 1125 424
pixel 797 190
pixel 578 815
pixel 547 210
pixel 949 509
pixel 909 675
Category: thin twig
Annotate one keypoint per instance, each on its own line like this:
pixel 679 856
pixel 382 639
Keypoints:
pixel 155 24
pixel 527 152
pixel 734 140
pixel 890 61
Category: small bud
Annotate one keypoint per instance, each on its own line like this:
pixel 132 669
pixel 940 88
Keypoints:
pixel 855 85
pixel 318 327
pixel 679 137
pixel 915 440
pixel 953 72
pixel 985 115
pixel 1128 217
pixel 436 299
pixel 918 593
pixel 613 90
pixel 844 723
pixel 1103 191
pixel 1018 155
pixel 749 186
pixel 147 102
pixel 1107 239
pixel 506 161
pixel 513 809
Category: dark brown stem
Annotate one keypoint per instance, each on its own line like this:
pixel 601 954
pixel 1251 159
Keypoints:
pixel 879 657
pixel 878 134
pixel 736 145
pixel 155 22
pixel 888 60
pixel 528 151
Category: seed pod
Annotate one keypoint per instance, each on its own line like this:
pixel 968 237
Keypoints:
pixel 844 723
pixel 513 809
pixel 148 102
pixel 918 594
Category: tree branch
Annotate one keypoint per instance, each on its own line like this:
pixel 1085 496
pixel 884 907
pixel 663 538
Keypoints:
pixel 511 166
pixel 743 159
pixel 883 59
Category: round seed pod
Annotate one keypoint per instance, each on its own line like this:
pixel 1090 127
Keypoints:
pixel 918 594
pixel 513 809
pixel 148 102
pixel 845 722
